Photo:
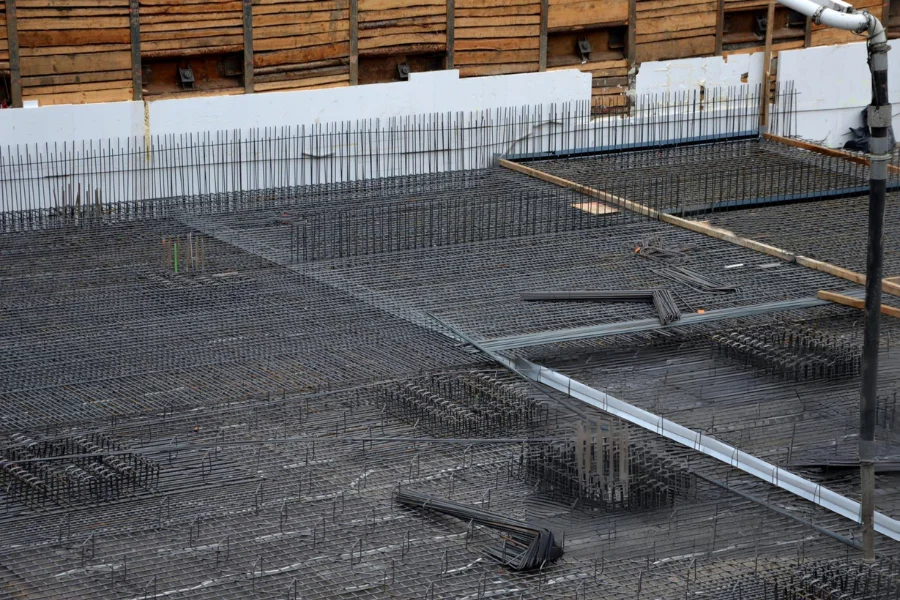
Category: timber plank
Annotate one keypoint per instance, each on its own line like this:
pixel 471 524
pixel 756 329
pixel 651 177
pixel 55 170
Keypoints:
pixel 571 13
pixel 119 95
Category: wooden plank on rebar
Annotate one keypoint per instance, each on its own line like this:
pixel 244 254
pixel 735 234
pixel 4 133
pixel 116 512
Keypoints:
pixel 583 189
pixel 856 303
pixel 854 158
pixel 701 227
pixel 15 71
pixel 354 42
pixel 134 20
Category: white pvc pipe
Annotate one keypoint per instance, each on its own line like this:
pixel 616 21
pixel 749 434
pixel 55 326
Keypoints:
pixel 856 22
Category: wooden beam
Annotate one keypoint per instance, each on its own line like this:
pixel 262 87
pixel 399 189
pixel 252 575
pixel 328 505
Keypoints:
pixel 354 42
pixel 545 10
pixel 720 26
pixel 699 227
pixel 767 66
pixel 854 158
pixel 582 189
pixel 137 83
pixel 451 31
pixel 15 71
pixel 807 34
pixel 248 46
pixel 631 54
pixel 855 303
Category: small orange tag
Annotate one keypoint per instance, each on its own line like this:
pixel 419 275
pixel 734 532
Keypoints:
pixel 701 312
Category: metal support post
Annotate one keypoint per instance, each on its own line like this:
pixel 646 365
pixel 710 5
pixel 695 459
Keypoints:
pixel 879 120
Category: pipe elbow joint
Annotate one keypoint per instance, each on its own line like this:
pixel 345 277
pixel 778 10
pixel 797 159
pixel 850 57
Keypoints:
pixel 870 24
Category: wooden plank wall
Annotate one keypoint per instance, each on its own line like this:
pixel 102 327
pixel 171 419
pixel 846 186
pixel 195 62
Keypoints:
pixel 610 77
pixel 301 44
pixel 79 50
pixel 586 13
pixel 674 29
pixel 74 51
pixel 776 45
pixel 4 42
pixel 502 37
pixel 175 28
pixel 398 26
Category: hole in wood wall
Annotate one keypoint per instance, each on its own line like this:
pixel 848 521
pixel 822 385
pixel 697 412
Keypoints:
pixel 747 28
pixel 607 43
pixel 211 72
pixel 384 69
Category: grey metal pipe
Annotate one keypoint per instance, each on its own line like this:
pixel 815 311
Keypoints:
pixel 841 15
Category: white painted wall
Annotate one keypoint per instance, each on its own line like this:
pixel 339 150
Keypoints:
pixel 833 87
pixel 424 93
pixel 832 84
pixel 71 123
pixel 691 73
pixel 258 143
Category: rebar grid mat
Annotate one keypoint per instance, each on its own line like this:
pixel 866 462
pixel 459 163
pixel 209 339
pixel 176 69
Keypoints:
pixel 708 178
pixel 97 327
pixel 791 352
pixel 271 485
pixel 833 231
pixel 477 287
pixel 280 205
pixel 124 178
pixel 316 517
pixel 809 424
pixel 429 223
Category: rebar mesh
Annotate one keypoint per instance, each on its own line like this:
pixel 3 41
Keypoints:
pixel 255 418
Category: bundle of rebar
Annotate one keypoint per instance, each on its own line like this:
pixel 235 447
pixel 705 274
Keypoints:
pixel 666 307
pixel 694 280
pixel 524 548
pixel 791 352
pixel 662 300
pixel 473 405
